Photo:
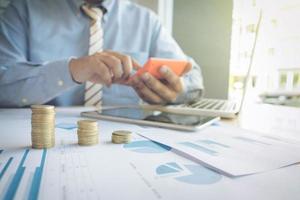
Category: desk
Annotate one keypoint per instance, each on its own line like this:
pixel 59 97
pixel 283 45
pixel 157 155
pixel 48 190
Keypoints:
pixel 272 119
pixel 108 171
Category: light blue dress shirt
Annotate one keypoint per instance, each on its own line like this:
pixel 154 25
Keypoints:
pixel 38 38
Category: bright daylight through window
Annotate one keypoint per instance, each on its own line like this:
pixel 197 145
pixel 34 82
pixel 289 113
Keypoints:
pixel 275 73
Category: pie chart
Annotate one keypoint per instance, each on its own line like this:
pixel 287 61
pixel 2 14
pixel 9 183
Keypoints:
pixel 147 146
pixel 188 173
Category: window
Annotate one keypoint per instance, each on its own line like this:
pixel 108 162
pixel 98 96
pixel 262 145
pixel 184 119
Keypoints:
pixel 276 63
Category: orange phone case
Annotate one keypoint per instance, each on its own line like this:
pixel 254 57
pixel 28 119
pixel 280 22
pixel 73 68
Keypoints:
pixel 153 64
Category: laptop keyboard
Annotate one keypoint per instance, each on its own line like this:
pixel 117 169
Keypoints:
pixel 211 104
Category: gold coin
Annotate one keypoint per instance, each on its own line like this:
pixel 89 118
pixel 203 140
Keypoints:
pixel 120 142
pixel 87 124
pixel 87 138
pixel 121 139
pixel 43 111
pixel 38 146
pixel 81 132
pixel 90 141
pixel 121 136
pixel 42 107
pixel 42 131
pixel 43 125
pixel 121 133
pixel 42 137
pixel 39 117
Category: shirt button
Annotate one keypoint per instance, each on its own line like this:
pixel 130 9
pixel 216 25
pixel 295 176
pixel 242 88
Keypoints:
pixel 60 83
pixel 24 100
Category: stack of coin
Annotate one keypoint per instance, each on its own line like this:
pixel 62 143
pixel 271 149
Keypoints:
pixel 121 137
pixel 87 132
pixel 42 126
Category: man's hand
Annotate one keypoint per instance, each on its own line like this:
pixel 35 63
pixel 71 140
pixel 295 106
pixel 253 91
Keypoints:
pixel 156 91
pixel 105 67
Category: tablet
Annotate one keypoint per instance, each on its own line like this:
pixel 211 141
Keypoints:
pixel 152 118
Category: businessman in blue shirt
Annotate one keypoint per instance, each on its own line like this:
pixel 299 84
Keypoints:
pixel 44 48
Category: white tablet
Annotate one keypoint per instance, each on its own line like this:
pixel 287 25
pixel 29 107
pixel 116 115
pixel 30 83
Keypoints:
pixel 153 118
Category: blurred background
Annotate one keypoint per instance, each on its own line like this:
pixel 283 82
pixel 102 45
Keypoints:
pixel 219 35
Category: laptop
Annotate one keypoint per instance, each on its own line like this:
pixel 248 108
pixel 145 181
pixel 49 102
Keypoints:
pixel 214 107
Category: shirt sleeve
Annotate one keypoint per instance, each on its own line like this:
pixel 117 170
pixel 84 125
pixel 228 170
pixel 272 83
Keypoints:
pixel 22 81
pixel 163 45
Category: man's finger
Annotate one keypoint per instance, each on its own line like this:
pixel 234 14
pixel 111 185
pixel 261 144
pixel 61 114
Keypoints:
pixel 96 79
pixel 119 55
pixel 101 70
pixel 145 93
pixel 127 66
pixel 114 64
pixel 187 68
pixel 125 61
pixel 135 64
pixel 128 62
pixel 159 88
pixel 171 78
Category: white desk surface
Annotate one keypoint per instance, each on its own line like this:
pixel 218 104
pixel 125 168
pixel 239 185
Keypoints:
pixel 110 183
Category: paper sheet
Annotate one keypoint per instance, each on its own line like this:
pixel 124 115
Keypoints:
pixel 230 150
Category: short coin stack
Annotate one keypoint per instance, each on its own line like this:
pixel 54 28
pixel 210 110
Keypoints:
pixel 87 132
pixel 42 126
pixel 121 137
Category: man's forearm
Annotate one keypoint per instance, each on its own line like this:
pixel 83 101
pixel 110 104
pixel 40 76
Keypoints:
pixel 24 84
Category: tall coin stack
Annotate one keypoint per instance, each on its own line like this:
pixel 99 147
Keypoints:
pixel 87 132
pixel 42 126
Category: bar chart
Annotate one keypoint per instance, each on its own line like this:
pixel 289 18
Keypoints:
pixel 12 179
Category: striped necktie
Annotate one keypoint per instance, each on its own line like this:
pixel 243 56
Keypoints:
pixel 93 92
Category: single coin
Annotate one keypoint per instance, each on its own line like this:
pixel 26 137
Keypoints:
pixel 42 107
pixel 38 146
pixel 39 117
pixel 43 111
pixel 87 124
pixel 93 141
pixel 121 132
pixel 86 133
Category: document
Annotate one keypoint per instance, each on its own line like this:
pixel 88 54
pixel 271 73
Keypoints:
pixel 229 150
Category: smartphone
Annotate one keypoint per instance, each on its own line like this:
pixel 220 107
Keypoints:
pixel 152 118
pixel 153 64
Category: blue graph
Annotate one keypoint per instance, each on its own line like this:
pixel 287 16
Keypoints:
pixel 168 168
pixel 37 178
pixel 199 148
pixel 211 142
pixel 198 175
pixel 16 178
pixel 5 167
pixel 249 140
pixel 13 186
pixel 146 146
pixel 66 126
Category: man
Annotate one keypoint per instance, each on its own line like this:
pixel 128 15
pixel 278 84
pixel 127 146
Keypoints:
pixel 44 55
